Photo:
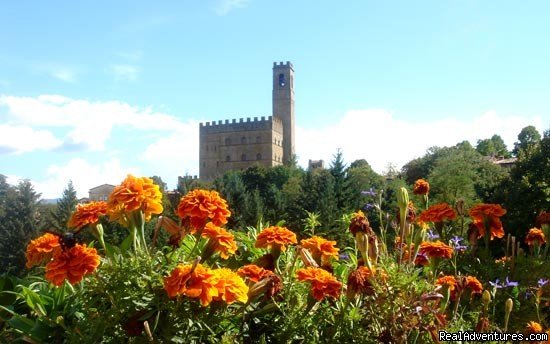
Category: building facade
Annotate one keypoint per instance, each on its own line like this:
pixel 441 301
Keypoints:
pixel 267 141
pixel 101 192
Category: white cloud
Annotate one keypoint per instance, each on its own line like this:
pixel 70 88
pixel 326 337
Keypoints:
pixel 84 176
pixel 376 136
pixel 124 72
pixel 89 124
pixel 223 7
pixel 18 139
pixel 64 75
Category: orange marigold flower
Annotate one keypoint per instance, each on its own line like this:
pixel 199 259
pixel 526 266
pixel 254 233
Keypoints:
pixel 450 282
pixel 488 215
pixel 360 223
pixel 254 273
pixel 87 214
pixel 533 327
pixel 275 237
pixel 196 283
pixel 199 206
pixel 535 235
pixel 321 249
pixel 42 249
pixel 359 281
pixel 436 249
pixel 231 286
pixel 421 187
pixel 221 240
pixel 323 283
pixel 474 285
pixel 134 194
pixel 437 213
pixel 72 264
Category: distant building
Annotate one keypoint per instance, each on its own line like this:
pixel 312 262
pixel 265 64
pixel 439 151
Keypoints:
pixel 239 144
pixel 501 161
pixel 101 192
pixel 313 164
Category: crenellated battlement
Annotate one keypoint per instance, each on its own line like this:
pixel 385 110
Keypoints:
pixel 242 124
pixel 282 65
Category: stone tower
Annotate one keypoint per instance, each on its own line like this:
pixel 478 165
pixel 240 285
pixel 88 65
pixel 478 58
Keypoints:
pixel 283 104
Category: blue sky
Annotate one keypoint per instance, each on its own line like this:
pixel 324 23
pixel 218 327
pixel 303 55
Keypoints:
pixel 90 91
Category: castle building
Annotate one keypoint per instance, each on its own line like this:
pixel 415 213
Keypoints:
pixel 267 141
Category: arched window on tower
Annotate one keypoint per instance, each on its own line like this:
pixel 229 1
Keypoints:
pixel 243 140
pixel 227 158
pixel 282 81
pixel 258 156
pixel 243 157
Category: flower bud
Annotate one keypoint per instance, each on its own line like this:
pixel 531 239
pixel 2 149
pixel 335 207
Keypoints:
pixel 403 198
pixel 509 305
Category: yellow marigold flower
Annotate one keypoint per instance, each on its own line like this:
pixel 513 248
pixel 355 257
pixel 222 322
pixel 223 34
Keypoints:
pixel 321 250
pixel 220 240
pixel 437 213
pixel 199 206
pixel 254 273
pixel 87 214
pixel 195 283
pixel 533 327
pixel 323 283
pixel 535 235
pixel 231 286
pixel 275 237
pixel 42 249
pixel 72 264
pixel 134 194
pixel 436 249
pixel 488 214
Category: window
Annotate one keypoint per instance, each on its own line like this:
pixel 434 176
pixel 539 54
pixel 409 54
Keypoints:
pixel 258 156
pixel 243 140
pixel 227 158
pixel 227 141
pixel 258 139
pixel 282 81
pixel 243 157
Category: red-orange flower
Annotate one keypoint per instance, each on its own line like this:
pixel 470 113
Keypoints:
pixel 360 281
pixel 275 237
pixel 42 249
pixel 199 206
pixel 421 187
pixel 87 214
pixel 196 283
pixel 254 273
pixel 488 215
pixel 220 240
pixel 231 286
pixel 72 264
pixel 321 249
pixel 450 282
pixel 435 249
pixel 360 223
pixel 473 284
pixel 437 213
pixel 323 283
pixel 535 235
pixel 134 194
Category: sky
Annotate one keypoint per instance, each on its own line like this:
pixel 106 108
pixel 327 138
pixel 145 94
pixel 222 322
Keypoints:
pixel 93 90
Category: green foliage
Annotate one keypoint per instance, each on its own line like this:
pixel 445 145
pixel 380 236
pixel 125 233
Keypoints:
pixel 65 207
pixel 493 147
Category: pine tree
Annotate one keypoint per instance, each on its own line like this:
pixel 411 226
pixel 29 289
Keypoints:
pixel 65 207
pixel 338 171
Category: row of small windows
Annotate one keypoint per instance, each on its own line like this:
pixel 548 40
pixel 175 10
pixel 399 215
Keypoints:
pixel 244 158
pixel 228 140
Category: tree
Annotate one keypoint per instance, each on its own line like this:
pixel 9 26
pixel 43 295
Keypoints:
pixel 360 177
pixel 493 147
pixel 528 137
pixel 65 207
pixel 18 225
pixel 338 171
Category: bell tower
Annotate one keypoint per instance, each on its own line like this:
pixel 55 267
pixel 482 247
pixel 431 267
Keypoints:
pixel 283 104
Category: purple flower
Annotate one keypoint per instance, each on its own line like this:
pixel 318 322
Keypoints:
pixel 510 283
pixel 370 192
pixel 496 283
pixel 455 242
pixel 368 206
pixel 432 235
pixel 344 256
pixel 542 282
